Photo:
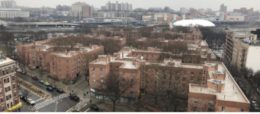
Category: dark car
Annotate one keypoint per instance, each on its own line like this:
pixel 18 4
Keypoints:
pixel 23 98
pixel 258 91
pixel 50 88
pixel 27 100
pixel 59 90
pixel 95 108
pixel 74 97
pixel 35 78
pixel 41 82
pixel 255 106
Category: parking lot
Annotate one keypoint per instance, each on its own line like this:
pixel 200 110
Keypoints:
pixel 26 107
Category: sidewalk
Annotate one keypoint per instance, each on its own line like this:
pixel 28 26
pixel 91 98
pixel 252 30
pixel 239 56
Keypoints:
pixel 32 88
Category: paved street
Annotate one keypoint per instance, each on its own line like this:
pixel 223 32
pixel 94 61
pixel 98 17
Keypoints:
pixel 61 105
pixel 56 102
pixel 36 83
pixel 34 97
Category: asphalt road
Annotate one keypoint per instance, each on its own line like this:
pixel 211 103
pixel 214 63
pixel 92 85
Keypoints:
pixel 61 106
pixel 26 107
pixel 36 83
pixel 30 94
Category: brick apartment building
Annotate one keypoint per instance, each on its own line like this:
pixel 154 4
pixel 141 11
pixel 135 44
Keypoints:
pixel 127 68
pixel 221 93
pixel 160 77
pixel 9 97
pixel 197 52
pixel 152 76
pixel 62 62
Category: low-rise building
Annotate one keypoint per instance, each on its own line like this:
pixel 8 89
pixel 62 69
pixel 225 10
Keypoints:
pixel 221 93
pixel 62 62
pixel 10 13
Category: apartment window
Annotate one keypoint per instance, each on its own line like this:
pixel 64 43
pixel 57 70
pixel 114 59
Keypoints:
pixel 8 97
pixel 14 86
pixel 7 89
pixel 6 80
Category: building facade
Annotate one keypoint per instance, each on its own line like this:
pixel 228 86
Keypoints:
pixel 81 10
pixel 9 94
pixel 153 76
pixel 9 10
pixel 8 4
pixel 13 13
pixel 241 50
pixel 63 63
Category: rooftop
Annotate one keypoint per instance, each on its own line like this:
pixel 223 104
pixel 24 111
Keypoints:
pixel 194 22
pixel 5 61
pixel 75 52
pixel 231 91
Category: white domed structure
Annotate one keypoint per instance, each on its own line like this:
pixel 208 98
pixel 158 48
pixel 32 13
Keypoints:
pixel 193 23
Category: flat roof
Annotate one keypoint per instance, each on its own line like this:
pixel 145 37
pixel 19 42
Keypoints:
pixel 231 92
pixel 5 61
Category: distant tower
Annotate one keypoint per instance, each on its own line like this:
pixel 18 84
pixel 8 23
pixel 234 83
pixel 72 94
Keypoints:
pixel 223 8
pixel 8 4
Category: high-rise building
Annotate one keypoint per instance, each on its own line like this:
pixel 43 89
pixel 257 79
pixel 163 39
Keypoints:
pixel 117 6
pixel 8 10
pixel 115 10
pixel 223 8
pixel 81 10
pixel 8 4
pixel 242 50
pixel 9 97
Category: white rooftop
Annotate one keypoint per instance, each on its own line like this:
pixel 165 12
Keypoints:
pixel 231 92
pixel 194 22
pixel 5 61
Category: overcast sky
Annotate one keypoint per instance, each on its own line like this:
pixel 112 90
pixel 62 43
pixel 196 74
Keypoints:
pixel 175 4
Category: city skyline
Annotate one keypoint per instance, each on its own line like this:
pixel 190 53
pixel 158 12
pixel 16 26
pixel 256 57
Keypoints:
pixel 174 4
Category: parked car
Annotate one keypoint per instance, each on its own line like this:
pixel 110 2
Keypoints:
pixel 35 78
pixel 59 90
pixel 46 83
pixel 94 108
pixel 258 91
pixel 30 101
pixel 255 106
pixel 41 82
pixel 74 97
pixel 50 88
pixel 27 100
pixel 23 98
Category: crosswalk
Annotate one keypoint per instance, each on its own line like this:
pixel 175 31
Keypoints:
pixel 49 101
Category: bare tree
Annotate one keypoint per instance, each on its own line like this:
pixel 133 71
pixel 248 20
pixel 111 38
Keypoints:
pixel 115 89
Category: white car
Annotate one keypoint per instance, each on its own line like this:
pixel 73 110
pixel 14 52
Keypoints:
pixel 30 101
